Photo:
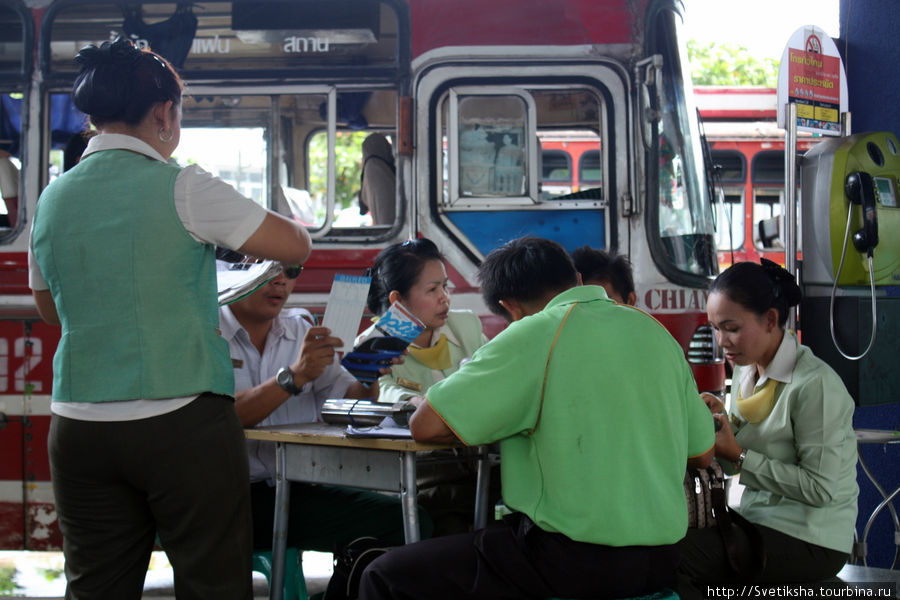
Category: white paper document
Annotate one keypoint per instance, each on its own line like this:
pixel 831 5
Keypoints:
pixel 345 307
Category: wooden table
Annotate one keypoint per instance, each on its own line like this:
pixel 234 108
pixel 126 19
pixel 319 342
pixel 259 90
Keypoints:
pixel 322 453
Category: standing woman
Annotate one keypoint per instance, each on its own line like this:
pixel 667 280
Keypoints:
pixel 144 439
pixel 789 436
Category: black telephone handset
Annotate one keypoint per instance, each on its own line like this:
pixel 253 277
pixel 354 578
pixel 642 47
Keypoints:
pixel 860 189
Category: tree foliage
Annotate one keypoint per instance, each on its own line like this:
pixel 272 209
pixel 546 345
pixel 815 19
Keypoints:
pixel 729 64
pixel 348 162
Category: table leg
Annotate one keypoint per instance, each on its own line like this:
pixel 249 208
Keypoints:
pixel 482 484
pixel 279 530
pixel 408 498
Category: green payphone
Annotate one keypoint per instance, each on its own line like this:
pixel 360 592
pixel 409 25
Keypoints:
pixel 850 270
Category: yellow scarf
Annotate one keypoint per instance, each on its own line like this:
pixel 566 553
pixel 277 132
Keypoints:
pixel 436 357
pixel 757 406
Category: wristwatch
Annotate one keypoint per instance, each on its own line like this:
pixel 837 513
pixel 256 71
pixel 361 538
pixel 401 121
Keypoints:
pixel 740 461
pixel 285 379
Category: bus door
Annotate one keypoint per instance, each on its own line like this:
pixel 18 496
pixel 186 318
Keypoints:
pixel 479 180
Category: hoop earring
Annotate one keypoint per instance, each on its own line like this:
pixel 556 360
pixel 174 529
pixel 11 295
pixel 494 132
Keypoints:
pixel 165 139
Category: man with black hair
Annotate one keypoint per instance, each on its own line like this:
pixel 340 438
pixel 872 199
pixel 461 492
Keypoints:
pixel 284 370
pixel 593 448
pixel 610 271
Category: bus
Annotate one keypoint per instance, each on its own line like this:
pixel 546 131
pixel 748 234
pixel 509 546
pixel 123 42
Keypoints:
pixel 746 160
pixel 281 96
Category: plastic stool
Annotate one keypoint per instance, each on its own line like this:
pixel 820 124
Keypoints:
pixel 664 594
pixel 294 582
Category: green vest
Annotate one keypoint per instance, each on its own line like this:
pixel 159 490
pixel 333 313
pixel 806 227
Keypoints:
pixel 135 293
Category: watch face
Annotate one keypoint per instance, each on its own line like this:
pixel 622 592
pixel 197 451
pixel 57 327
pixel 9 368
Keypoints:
pixel 285 379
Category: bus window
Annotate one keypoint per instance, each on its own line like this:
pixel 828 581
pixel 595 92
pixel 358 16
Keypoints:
pixel 274 149
pixel 491 134
pixel 237 155
pixel 767 175
pixel 730 165
pixel 767 211
pixel 489 139
pixel 768 167
pixel 10 164
pixel 263 79
pixel 495 159
pixel 349 212
pixel 766 217
pixel 556 173
pixel 730 220
pixel 590 170
pixel 14 74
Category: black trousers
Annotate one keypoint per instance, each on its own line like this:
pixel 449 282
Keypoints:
pixel 788 560
pixel 182 475
pixel 517 559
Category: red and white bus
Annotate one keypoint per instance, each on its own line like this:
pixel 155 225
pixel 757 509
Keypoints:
pixel 465 90
pixel 746 149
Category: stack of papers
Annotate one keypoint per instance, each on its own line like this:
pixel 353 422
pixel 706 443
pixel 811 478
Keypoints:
pixel 238 280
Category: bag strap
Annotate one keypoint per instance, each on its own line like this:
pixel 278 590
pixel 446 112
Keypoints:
pixel 547 368
pixel 726 521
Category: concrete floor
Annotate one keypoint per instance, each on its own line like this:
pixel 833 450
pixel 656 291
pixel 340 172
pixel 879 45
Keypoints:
pixel 39 576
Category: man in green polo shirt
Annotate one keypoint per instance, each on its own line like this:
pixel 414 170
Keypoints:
pixel 597 415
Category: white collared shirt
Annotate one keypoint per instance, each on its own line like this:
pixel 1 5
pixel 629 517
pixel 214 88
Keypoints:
pixel 211 211
pixel 252 368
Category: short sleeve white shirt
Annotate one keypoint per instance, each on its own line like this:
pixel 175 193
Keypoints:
pixel 252 368
pixel 212 211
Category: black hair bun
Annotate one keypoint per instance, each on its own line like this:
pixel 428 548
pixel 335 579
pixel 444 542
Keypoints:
pixel 119 53
pixel 103 86
pixel 784 284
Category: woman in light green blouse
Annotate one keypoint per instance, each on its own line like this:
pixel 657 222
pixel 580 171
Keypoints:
pixel 788 435
pixel 413 273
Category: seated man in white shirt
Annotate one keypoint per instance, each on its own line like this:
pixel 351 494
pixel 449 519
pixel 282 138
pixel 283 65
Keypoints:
pixel 264 339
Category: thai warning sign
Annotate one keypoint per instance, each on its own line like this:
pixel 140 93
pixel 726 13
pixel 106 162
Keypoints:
pixel 811 76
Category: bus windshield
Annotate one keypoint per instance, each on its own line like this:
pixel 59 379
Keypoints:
pixel 684 218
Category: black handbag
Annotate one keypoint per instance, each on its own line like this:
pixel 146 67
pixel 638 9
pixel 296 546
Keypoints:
pixel 704 490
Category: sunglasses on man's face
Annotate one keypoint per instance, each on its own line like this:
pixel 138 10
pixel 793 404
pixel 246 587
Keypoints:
pixel 292 271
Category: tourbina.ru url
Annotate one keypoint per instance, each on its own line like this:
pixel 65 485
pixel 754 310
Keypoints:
pixel 797 590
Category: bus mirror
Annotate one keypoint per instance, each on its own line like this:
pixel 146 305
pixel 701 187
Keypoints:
pixel 649 73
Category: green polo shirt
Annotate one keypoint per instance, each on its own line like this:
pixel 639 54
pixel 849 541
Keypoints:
pixel 619 418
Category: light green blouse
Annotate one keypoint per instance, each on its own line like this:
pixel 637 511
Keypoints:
pixel 800 470
pixel 412 378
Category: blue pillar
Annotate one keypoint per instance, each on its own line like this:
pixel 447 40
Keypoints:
pixel 870 47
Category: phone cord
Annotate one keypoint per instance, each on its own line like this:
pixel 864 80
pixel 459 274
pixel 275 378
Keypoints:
pixel 834 289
